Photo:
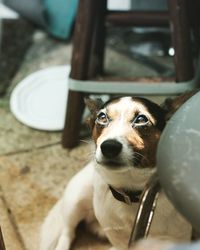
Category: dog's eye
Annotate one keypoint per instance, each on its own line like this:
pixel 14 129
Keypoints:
pixel 102 119
pixel 140 120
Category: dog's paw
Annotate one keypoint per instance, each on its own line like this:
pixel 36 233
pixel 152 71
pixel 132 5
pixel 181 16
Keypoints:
pixel 112 248
pixel 63 243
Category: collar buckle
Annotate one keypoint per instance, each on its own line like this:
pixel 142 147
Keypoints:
pixel 127 199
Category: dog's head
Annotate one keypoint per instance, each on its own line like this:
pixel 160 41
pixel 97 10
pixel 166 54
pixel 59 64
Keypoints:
pixel 126 131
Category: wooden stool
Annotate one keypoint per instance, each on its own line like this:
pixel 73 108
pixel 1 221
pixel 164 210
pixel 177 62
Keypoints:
pixel 88 55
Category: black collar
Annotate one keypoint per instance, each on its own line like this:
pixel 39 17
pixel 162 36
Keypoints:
pixel 125 196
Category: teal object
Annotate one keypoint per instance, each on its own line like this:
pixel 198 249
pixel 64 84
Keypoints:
pixel 60 16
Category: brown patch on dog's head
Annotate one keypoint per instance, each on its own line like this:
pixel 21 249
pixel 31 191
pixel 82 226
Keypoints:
pixel 94 106
pixel 150 135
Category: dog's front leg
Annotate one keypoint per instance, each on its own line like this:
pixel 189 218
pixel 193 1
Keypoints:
pixel 53 232
pixel 58 230
pixel 65 240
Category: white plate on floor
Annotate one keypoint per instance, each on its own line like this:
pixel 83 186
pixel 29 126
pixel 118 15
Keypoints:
pixel 39 101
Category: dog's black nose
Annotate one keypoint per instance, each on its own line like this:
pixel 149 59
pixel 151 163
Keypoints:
pixel 111 148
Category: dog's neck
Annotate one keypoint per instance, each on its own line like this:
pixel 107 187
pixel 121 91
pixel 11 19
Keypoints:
pixel 130 178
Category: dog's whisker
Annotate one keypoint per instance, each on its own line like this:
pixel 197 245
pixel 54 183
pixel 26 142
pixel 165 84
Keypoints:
pixel 123 170
pixel 90 155
pixel 138 154
pixel 86 141
pixel 140 157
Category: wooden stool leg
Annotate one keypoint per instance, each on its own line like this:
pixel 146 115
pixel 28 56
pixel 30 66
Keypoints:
pixel 181 39
pixel 83 37
pixel 73 119
pixel 97 55
pixel 2 246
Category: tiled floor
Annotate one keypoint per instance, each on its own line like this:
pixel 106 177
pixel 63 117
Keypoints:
pixel 34 168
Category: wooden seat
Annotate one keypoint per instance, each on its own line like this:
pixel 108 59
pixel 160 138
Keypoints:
pixel 88 55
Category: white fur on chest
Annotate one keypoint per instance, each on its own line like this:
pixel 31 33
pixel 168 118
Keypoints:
pixel 116 218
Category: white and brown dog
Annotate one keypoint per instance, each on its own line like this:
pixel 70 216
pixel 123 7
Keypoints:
pixel 106 192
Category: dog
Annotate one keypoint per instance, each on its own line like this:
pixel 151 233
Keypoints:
pixel 106 193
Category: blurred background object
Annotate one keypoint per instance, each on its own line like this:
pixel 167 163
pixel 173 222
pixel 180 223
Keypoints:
pixel 33 10
pixel 56 17
pixel 16 37
pixel 179 160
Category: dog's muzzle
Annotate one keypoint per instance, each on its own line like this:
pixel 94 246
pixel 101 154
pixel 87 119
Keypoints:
pixel 111 148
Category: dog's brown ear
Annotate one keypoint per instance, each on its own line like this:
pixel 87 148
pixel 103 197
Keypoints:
pixel 93 105
pixel 171 105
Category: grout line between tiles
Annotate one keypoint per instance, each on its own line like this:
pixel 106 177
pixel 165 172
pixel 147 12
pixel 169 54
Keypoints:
pixel 30 149
pixel 12 220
